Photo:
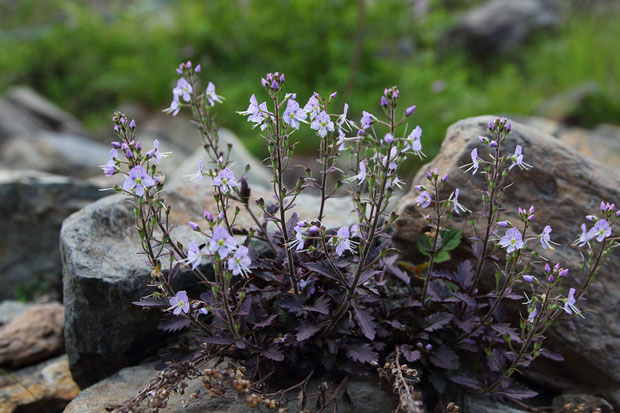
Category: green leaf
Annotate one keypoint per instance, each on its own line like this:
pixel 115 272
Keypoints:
pixel 451 239
pixel 442 256
pixel 424 245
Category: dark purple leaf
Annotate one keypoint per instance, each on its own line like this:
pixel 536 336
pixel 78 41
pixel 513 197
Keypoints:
pixel 267 322
pixel 374 252
pixel 306 330
pixel 394 323
pixel 552 355
pixel 367 275
pixel 294 304
pixel 438 320
pixel 365 321
pixel 465 380
pixel 438 382
pixel 174 324
pixel 465 274
pixel 518 391
pixel 410 354
pixel 363 353
pixel 292 221
pixel 223 341
pixel 466 299
pixel 152 302
pixel 174 272
pixel 445 358
pixel 504 328
pixel 321 305
pixel 322 268
pixel 273 353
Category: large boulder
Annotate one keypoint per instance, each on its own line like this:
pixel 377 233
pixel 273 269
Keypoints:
pixel 564 187
pixel 103 274
pixel 32 208
pixel 499 26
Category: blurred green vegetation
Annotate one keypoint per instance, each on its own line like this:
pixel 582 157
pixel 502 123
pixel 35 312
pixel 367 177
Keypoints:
pixel 89 57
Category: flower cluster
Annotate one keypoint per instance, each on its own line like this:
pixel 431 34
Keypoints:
pixel 286 291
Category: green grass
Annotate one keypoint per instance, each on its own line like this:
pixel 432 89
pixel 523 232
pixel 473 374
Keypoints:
pixel 90 61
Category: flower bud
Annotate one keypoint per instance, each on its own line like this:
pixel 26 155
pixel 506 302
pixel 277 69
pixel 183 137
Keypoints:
pixel 138 146
pixel 410 110
pixel 116 145
pixel 333 95
pixel 493 144
pixel 282 78
pixel 528 278
pixel 128 154
pixel 208 216
pixel 194 226
pixel 532 209
pixel 132 124
pixel 508 127
pixel 429 347
pixel 419 344
pixel 503 224
pixel 563 273
pixel 389 138
pixel 491 125
pixel 263 81
pixel 445 178
pixel 384 102
pixel 197 69
pixel 530 218
pixel 274 85
pixel 547 268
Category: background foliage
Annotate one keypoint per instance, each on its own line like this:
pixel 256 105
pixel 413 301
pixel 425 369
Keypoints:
pixel 89 57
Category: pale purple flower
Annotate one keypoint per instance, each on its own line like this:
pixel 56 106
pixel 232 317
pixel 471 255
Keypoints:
pixel 198 175
pixel 174 107
pixel 503 224
pixel 322 124
pixel 109 168
pixel 179 303
pixel 529 278
pixel 221 242
pixel 389 138
pixel 585 236
pixel 517 159
pixel 394 182
pixel 367 119
pixel 225 180
pixel 424 200
pixel 341 241
pixel 312 108
pixel 545 238
pixel 456 206
pixel 475 163
pixel 600 231
pixel 409 111
pixel 240 262
pixel 194 255
pixel 361 176
pixel 293 114
pixel 154 153
pixel 298 242
pixel 512 240
pixel 414 142
pixel 211 96
pixel 183 89
pixel 138 180
pixel 302 284
pixel 194 226
pixel 256 113
pixel 132 124
pixel 532 316
pixel 569 305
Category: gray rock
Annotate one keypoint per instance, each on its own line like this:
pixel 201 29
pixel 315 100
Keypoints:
pixel 365 395
pixel 32 208
pixel 15 122
pixel 57 153
pixel 486 405
pixel 9 309
pixel 36 105
pixel 571 106
pixel 568 403
pixel 258 174
pixel 46 385
pixel 564 186
pixel 103 274
pixel 498 26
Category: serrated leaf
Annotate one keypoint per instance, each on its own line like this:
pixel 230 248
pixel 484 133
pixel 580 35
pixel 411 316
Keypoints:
pixel 363 353
pixel 466 381
pixel 323 269
pixel 365 321
pixel 465 274
pixel 518 391
pixel 367 275
pixel 321 305
pixel 267 322
pixel 438 382
pixel 504 328
pixel 273 352
pixel 445 358
pixel 223 341
pixel 424 245
pixel 172 324
pixel 410 354
pixel 442 256
pixel 451 239
pixel 306 330
pixel 438 320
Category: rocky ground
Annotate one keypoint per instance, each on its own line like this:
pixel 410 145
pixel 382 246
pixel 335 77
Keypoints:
pixel 71 340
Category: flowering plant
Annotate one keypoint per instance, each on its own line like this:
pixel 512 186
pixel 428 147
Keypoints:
pixel 290 294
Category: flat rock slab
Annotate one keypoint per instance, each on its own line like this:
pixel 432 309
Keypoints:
pixel 365 395
pixel 34 335
pixel 47 385
pixel 564 187
pixel 32 208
